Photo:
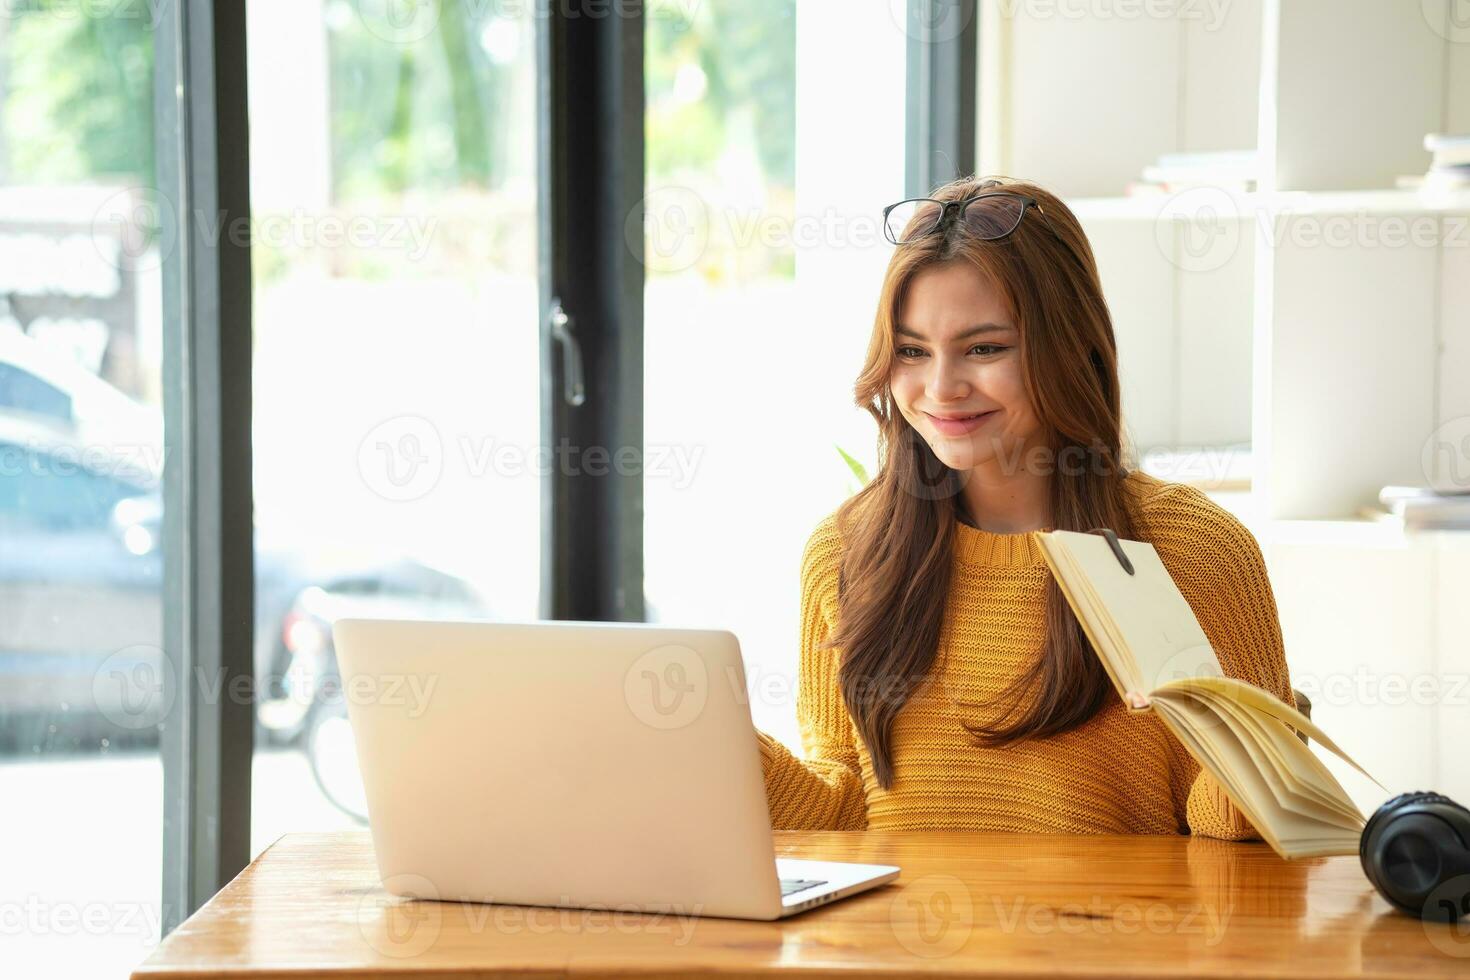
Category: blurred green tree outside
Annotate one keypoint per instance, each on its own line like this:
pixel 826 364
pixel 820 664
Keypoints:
pixel 78 95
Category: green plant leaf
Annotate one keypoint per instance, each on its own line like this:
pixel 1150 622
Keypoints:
pixel 858 470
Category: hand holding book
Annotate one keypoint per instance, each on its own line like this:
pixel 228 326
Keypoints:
pixel 1160 660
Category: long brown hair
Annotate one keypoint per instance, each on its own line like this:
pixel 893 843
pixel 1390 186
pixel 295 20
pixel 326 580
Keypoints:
pixel 898 532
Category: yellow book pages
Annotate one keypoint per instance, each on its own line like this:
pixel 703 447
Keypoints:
pixel 1288 755
pixel 1291 835
pixel 1175 717
pixel 1074 587
pixel 1151 630
pixel 1277 773
pixel 1270 768
pixel 1252 696
pixel 1293 761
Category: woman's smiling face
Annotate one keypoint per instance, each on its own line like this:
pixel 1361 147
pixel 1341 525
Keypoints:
pixel 957 354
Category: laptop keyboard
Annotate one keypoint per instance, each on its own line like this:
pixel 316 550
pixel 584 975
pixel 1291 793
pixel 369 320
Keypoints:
pixel 790 886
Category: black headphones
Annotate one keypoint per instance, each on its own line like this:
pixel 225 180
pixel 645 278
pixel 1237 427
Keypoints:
pixel 1416 851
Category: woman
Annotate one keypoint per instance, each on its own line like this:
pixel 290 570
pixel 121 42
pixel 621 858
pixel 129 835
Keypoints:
pixel 944 682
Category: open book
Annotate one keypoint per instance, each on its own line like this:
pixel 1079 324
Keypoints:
pixel 1160 660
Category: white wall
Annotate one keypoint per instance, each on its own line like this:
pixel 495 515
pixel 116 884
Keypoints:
pixel 1349 330
pixel 1358 84
pixel 1374 635
pixel 290 134
pixel 1086 95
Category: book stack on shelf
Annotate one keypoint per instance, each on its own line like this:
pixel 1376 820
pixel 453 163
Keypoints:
pixel 1428 509
pixel 1449 170
pixel 1229 170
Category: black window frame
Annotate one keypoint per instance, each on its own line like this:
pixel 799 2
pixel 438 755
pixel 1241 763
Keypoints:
pixel 203 168
pixel 590 188
pixel 940 98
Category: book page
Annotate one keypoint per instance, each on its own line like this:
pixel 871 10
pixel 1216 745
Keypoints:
pixel 1108 646
pixel 1296 764
pixel 1152 627
pixel 1275 773
pixel 1220 751
pixel 1265 702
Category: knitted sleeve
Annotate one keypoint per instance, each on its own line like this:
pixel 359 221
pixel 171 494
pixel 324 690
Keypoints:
pixel 1218 566
pixel 823 791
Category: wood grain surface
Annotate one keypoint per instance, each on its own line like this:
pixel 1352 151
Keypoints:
pixel 987 905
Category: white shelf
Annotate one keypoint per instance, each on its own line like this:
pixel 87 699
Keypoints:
pixel 1250 204
pixel 1363 533
pixel 1388 201
pixel 1337 344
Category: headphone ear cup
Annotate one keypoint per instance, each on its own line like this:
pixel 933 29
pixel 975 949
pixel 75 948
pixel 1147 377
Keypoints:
pixel 1415 847
pixel 1367 843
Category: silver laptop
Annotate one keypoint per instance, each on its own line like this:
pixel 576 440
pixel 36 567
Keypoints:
pixel 572 764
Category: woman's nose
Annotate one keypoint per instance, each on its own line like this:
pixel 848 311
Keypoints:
pixel 946 380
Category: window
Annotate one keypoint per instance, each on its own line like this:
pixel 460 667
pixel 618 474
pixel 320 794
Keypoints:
pixel 53 493
pixel 396 353
pixel 80 452
pixel 23 393
pixel 764 258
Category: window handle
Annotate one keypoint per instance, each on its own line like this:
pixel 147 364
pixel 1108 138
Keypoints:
pixel 573 389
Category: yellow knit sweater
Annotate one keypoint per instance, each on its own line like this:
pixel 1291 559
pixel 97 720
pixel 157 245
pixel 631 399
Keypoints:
pixel 1120 773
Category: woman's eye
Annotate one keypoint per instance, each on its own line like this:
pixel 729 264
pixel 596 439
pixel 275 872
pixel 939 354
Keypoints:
pixel 985 350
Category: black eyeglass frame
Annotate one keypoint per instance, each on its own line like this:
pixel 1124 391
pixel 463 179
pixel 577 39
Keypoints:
pixel 945 207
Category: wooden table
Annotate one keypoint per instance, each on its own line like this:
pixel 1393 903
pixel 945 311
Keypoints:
pixel 966 904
